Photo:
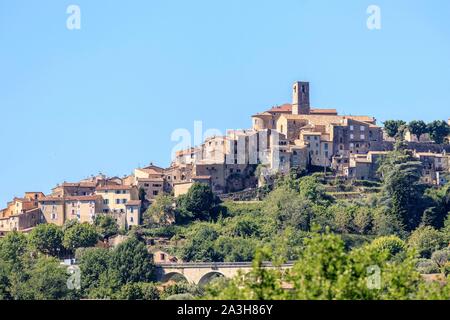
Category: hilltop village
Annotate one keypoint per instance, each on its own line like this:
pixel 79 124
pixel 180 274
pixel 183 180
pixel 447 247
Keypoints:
pixel 288 137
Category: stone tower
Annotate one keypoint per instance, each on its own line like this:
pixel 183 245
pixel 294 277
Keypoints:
pixel 300 98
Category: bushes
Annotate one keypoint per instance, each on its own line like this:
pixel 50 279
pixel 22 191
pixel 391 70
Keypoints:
pixel 426 240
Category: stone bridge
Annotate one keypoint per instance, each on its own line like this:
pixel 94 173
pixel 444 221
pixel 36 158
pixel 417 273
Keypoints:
pixel 202 272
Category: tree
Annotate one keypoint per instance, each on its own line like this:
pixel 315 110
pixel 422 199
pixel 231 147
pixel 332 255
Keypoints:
pixel 12 249
pixel 393 245
pixel 288 208
pixel 326 271
pixel 47 238
pixel 441 258
pixel 439 130
pixel 425 240
pixel 48 280
pixel 133 262
pixel 161 212
pixel 258 284
pixel 418 128
pixel 199 200
pixel 392 127
pixel 80 235
pixel 106 226
pixel 401 190
pixel 139 291
pixel 200 246
pixel 93 262
pixel 234 249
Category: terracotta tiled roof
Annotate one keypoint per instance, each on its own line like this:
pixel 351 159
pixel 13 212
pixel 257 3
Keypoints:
pixel 287 108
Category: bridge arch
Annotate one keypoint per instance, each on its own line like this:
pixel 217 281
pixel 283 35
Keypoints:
pixel 174 276
pixel 210 276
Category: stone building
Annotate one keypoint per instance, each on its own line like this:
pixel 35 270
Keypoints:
pixel 59 210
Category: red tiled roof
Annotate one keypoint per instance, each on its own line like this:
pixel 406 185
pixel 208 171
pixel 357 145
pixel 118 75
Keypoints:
pixel 285 108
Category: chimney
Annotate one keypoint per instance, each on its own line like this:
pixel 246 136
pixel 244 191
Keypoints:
pixel 300 98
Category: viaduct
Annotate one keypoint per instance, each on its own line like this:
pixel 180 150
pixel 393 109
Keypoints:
pixel 202 272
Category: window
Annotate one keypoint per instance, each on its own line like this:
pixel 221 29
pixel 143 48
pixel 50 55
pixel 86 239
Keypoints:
pixel 363 137
pixel 146 185
pixel 352 136
pixel 124 201
pixel 352 128
pixel 325 146
pixel 362 128
pixel 131 209
pixel 352 145
pixel 53 216
pixel 155 193
pixel 106 201
pixel 131 219
pixel 117 201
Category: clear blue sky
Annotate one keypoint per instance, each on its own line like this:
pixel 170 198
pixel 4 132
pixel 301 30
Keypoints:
pixel 107 97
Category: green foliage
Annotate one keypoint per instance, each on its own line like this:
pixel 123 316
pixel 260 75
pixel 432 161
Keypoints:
pixel 47 238
pixel 439 130
pixel 426 266
pixel 418 127
pixel 441 258
pixel 196 204
pixel 325 271
pixel 288 208
pixel 425 240
pixel 200 245
pixel 133 262
pixel 391 244
pixel 402 192
pixel 180 291
pixel 80 235
pixel 392 127
pixel 106 226
pixel 93 262
pixel 27 276
pixel 47 281
pixel 161 213
pixel 139 291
